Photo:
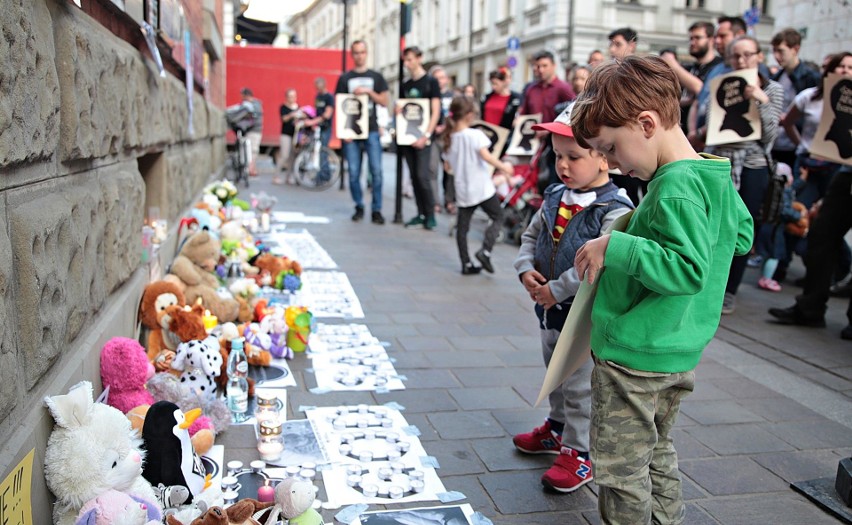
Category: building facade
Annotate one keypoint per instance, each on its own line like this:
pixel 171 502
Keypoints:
pixel 826 25
pixel 92 140
pixel 470 37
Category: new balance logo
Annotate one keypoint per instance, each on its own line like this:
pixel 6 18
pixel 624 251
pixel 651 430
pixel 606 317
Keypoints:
pixel 549 443
pixel 583 471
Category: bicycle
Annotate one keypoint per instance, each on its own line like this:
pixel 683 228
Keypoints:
pixel 240 160
pixel 316 167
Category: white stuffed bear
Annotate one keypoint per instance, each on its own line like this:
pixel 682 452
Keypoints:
pixel 92 450
pixel 200 362
pixel 294 500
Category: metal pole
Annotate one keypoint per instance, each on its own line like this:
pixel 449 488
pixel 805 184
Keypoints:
pixel 570 48
pixel 345 31
pixel 470 46
pixel 397 213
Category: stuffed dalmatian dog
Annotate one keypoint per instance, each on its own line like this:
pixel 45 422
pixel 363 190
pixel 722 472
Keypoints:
pixel 200 362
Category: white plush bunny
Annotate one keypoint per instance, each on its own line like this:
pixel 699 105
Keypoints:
pixel 92 450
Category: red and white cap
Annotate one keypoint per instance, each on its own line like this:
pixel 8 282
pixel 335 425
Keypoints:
pixel 561 125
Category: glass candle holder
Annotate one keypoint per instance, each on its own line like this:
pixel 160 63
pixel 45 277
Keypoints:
pixel 270 441
pixel 267 408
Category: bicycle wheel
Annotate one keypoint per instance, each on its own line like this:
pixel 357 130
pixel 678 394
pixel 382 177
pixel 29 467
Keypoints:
pixel 308 172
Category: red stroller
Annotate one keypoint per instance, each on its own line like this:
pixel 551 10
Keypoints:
pixel 523 199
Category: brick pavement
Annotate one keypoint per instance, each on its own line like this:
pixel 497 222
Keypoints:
pixel 771 404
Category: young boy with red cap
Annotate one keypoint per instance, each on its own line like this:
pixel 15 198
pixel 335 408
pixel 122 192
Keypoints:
pixel 572 212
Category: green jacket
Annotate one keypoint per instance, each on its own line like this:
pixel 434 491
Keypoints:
pixel 659 299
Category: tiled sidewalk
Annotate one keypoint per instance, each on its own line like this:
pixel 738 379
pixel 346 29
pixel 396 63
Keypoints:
pixel 771 406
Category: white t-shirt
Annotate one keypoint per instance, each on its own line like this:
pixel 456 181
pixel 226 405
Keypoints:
pixel 472 176
pixel 812 111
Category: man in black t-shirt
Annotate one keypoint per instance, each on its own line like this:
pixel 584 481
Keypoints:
pixel 364 81
pixel 421 85
pixel 324 104
pixel 692 79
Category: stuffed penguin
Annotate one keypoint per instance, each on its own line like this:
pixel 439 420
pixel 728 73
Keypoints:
pixel 171 459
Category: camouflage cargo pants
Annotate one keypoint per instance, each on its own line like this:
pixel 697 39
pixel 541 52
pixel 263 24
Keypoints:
pixel 633 458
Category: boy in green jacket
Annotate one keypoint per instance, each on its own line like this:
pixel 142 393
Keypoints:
pixel 659 301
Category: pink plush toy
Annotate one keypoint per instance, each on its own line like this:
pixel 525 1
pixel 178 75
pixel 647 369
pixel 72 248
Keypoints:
pixel 125 369
pixel 117 508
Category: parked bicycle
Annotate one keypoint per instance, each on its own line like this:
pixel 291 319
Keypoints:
pixel 240 160
pixel 316 167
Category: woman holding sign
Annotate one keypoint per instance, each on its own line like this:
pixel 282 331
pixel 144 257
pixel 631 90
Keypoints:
pixel 736 98
pixel 808 106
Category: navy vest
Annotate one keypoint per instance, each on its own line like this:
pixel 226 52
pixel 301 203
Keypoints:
pixel 553 259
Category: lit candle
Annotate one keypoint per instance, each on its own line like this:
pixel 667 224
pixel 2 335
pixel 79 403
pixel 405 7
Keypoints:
pixel 210 321
pixel 265 493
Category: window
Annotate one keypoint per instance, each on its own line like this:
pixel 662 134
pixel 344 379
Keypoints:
pixel 695 4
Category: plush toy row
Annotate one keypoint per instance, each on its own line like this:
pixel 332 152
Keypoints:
pixel 103 473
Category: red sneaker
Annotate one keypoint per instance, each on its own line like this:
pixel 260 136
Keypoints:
pixel 568 473
pixel 541 440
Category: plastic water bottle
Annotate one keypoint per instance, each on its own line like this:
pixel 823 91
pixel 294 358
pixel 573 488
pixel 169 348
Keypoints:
pixel 237 389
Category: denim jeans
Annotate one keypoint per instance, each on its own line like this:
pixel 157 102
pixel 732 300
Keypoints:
pixel 325 136
pixel 353 152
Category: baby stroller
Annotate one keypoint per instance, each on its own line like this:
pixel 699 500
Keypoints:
pixel 523 199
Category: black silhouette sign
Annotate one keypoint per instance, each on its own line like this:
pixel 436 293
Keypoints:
pixel 351 116
pixel 496 134
pixel 733 117
pixel 833 140
pixel 412 120
pixel 524 141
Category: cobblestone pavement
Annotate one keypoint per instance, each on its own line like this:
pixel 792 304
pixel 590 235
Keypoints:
pixel 771 404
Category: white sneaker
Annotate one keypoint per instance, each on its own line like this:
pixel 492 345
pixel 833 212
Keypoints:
pixel 729 304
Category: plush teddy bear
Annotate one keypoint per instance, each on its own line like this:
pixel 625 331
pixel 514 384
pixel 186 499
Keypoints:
pixel 91 450
pixel 194 268
pixel 160 302
pixel 201 362
pixel 124 370
pixel 239 513
pixel 275 265
pixel 294 500
pixel 114 508
pixel 166 387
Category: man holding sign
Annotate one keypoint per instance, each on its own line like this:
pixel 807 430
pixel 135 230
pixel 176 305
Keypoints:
pixel 364 81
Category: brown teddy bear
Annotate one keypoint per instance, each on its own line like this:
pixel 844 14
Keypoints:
pixel 164 313
pixel 160 300
pixel 239 513
pixel 194 268
pixel 271 265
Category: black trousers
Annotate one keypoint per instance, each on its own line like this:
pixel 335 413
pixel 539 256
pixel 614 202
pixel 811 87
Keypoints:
pixel 418 161
pixel 824 244
pixel 491 207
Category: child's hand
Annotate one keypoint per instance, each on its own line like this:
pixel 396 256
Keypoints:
pixel 532 280
pixel 590 258
pixel 544 296
pixel 508 168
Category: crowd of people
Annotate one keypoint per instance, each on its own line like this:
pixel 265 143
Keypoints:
pixel 627 135
pixel 788 97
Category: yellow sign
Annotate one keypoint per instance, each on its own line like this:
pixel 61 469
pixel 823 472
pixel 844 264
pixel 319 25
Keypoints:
pixel 15 499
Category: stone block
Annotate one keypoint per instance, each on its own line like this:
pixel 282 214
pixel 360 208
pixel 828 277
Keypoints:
pixel 123 194
pixel 199 116
pixel 216 126
pixel 29 87
pixel 97 100
pixel 8 351
pixel 40 238
pixel 58 248
pixel 84 284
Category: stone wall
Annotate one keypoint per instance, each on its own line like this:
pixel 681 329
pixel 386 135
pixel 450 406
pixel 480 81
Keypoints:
pixel 79 108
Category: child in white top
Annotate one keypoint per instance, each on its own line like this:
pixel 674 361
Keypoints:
pixel 466 152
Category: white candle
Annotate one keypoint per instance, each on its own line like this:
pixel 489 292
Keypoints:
pixel 269 451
